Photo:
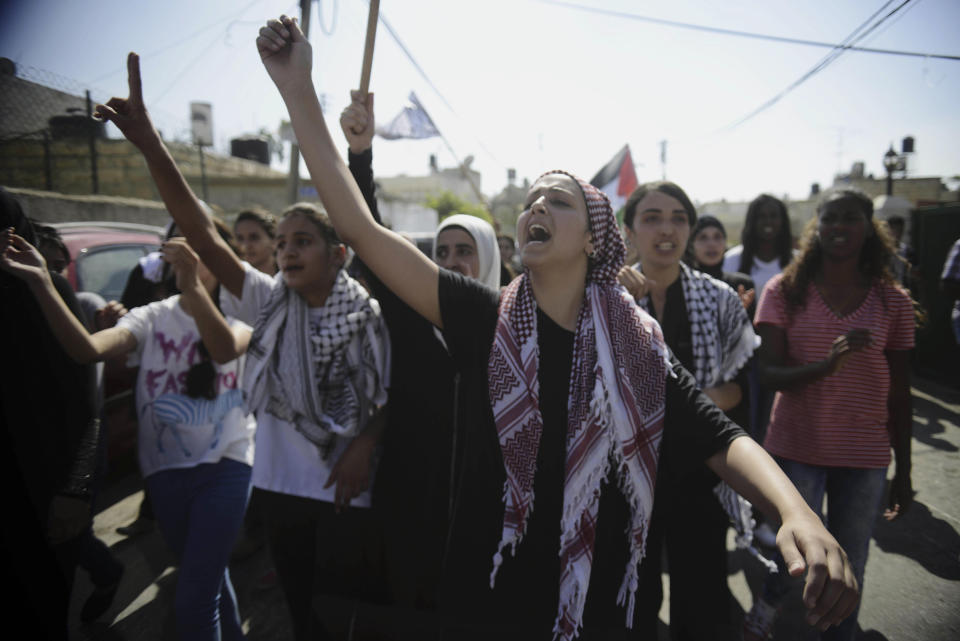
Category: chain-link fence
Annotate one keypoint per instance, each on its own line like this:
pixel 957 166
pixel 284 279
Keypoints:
pixel 49 141
pixel 46 132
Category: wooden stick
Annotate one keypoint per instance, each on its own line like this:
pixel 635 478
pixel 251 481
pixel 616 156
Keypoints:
pixel 368 47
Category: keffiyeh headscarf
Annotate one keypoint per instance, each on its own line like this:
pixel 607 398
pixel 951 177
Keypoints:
pixel 322 373
pixel 615 414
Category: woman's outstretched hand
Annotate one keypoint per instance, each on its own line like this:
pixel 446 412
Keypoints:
pixel 21 259
pixel 129 114
pixel 830 592
pixel 286 54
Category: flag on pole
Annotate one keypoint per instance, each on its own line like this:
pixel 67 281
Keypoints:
pixel 617 180
pixel 411 122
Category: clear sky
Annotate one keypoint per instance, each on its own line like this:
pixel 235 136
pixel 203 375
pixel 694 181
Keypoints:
pixel 534 85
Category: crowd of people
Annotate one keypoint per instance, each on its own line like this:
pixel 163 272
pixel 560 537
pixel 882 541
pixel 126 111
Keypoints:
pixel 399 418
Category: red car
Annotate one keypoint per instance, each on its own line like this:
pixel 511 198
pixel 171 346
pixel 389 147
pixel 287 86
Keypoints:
pixel 102 255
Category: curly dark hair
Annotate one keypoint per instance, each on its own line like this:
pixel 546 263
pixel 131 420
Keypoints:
pixel 875 255
pixel 750 238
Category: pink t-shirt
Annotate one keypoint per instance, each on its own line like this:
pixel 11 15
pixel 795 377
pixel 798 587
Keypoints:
pixel 840 420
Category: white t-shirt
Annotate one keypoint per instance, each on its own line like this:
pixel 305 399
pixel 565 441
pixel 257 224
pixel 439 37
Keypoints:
pixel 760 272
pixel 177 431
pixel 287 462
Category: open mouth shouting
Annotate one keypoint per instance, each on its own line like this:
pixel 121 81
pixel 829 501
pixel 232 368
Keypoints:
pixel 537 233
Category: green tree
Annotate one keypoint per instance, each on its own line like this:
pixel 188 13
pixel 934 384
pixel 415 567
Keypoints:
pixel 447 203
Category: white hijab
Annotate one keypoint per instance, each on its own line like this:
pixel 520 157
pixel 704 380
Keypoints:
pixel 488 251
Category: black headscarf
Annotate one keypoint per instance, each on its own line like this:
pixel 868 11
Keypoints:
pixel 702 223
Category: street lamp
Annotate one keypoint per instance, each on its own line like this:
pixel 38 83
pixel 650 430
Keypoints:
pixel 890 162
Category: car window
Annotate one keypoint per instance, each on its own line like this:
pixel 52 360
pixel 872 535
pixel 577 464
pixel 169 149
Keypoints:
pixel 105 271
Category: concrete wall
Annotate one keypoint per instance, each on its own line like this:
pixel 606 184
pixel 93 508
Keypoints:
pixel 51 207
pixel 408 217
pixel 919 191
pixel 416 189
pixel 64 167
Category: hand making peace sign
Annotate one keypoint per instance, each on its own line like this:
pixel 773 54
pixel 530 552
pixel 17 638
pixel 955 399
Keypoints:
pixel 129 114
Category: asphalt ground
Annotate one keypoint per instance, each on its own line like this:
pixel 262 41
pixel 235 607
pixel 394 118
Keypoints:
pixel 911 592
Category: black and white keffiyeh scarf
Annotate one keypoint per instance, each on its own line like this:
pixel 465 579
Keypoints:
pixel 720 330
pixel 320 371
pixel 723 341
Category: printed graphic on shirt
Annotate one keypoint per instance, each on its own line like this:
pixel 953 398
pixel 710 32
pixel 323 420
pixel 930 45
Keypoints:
pixel 177 413
pixel 191 427
pixel 170 375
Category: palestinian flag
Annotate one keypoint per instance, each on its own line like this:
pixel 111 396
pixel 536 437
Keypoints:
pixel 617 180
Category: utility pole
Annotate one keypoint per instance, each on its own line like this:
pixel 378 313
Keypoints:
pixel 663 159
pixel 92 140
pixel 294 178
pixel 203 174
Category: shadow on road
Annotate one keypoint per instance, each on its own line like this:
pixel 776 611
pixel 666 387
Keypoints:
pixel 869 635
pixel 936 415
pixel 921 536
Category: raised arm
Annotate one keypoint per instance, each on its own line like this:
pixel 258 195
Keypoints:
pixel 130 116
pixel 20 258
pixel 287 56
pixel 223 343
pixel 357 125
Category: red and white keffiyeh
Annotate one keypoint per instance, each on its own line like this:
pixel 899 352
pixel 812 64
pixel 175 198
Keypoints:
pixel 615 414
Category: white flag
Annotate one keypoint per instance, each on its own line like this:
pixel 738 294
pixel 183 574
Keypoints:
pixel 411 122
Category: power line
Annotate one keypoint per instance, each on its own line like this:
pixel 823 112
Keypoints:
pixel 838 50
pixel 413 61
pixel 423 74
pixel 176 43
pixel 328 31
pixel 179 75
pixel 743 34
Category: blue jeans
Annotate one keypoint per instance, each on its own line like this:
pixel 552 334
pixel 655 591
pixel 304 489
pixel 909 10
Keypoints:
pixel 199 511
pixel 854 498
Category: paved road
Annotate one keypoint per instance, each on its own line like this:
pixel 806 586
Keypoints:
pixel 912 587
